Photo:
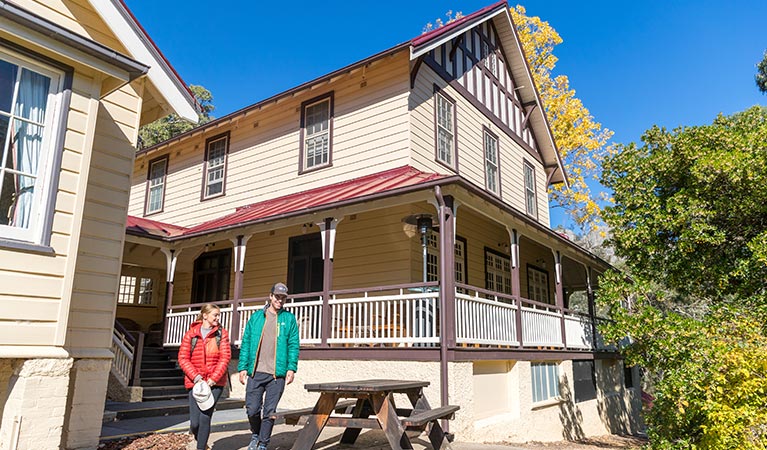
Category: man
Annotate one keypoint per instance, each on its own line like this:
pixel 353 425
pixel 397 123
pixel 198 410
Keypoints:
pixel 269 361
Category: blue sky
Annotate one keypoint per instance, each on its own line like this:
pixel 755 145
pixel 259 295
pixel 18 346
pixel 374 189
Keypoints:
pixel 633 64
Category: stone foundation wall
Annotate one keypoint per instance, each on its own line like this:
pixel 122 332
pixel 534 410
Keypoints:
pixel 87 391
pixel 35 403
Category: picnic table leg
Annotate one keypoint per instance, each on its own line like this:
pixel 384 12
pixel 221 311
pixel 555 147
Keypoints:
pixel 316 422
pixel 361 410
pixel 383 406
pixel 418 400
pixel 437 436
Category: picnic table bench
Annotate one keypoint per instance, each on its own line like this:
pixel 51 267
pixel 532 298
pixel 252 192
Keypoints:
pixel 370 398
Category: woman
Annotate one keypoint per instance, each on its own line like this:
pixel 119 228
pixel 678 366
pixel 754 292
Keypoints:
pixel 204 357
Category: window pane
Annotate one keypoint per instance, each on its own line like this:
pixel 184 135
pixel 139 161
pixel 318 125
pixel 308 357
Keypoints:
pixel 7 83
pixel 127 289
pixel 33 96
pixel 145 292
pixel 156 185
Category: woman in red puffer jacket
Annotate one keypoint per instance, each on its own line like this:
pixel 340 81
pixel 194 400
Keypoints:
pixel 205 362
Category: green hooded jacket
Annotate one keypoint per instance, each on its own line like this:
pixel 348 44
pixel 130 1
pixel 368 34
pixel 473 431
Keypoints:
pixel 286 350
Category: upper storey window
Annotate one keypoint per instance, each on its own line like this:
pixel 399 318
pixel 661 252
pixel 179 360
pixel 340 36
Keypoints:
pixel 155 197
pixel 317 133
pixel 30 94
pixel 217 148
pixel 492 180
pixel 531 205
pixel 445 130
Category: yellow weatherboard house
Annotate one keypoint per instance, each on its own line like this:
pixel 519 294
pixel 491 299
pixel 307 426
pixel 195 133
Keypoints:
pixel 77 79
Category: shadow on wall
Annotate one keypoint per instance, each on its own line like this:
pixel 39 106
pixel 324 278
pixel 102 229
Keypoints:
pixel 569 414
pixel 616 412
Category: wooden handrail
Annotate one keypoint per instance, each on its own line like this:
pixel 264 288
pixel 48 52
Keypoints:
pixel 385 288
pixel 124 331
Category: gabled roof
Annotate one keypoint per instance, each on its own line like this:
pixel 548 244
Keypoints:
pixel 140 225
pixel 357 189
pixel 134 38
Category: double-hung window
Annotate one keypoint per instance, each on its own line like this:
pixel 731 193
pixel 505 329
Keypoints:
pixel 545 381
pixel 432 258
pixel 531 205
pixel 216 149
pixel 30 108
pixel 492 178
pixel 317 132
pixel 537 285
pixel 155 194
pixel 445 130
pixel 497 272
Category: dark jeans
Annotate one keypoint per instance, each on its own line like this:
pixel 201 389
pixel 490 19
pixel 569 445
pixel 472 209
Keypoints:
pixel 199 421
pixel 260 406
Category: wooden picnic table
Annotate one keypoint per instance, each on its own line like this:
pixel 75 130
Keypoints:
pixel 373 398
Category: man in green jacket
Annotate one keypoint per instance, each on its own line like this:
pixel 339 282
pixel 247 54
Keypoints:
pixel 268 360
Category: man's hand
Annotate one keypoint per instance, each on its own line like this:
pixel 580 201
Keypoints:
pixel 243 376
pixel 289 377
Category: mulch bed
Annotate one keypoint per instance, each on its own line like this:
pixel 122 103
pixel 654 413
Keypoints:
pixel 169 441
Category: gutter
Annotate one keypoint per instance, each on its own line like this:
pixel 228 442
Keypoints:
pixel 56 32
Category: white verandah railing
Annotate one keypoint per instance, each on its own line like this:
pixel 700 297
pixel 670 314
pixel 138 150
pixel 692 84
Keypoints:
pixel 124 351
pixel 408 315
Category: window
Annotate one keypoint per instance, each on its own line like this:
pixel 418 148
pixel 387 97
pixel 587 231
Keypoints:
pixel 216 149
pixel 432 258
pixel 537 284
pixel 628 376
pixel 136 290
pixel 305 264
pixel 492 182
pixel 30 97
pixel 155 180
pixel 497 272
pixel 585 385
pixel 316 133
pixel 210 282
pixel 531 205
pixel 445 130
pixel 545 381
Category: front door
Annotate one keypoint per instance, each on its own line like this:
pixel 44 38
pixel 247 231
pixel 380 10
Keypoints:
pixel 210 282
pixel 305 265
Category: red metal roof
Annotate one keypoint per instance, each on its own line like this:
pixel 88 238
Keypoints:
pixel 140 225
pixel 324 196
pixel 433 34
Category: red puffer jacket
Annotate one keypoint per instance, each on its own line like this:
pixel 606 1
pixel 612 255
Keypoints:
pixel 209 360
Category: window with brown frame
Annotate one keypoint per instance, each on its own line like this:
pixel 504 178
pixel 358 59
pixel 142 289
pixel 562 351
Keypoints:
pixel 210 280
pixel 531 203
pixel 214 181
pixel 445 130
pixel 432 258
pixel 316 145
pixel 155 185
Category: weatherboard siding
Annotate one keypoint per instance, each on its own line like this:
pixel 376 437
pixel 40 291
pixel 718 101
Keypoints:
pixel 370 134
pixel 469 129
pixel 99 256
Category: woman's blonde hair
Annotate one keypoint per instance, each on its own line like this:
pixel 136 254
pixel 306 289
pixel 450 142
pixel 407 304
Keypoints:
pixel 206 308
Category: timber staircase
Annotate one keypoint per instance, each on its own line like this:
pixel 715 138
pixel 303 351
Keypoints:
pixel 160 375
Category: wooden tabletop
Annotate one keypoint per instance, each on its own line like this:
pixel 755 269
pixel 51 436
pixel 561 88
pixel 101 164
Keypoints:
pixel 366 386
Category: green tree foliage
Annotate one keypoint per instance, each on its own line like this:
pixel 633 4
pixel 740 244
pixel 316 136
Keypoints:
pixel 171 125
pixel 690 221
pixel 761 74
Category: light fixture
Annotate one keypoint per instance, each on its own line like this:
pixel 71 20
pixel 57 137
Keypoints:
pixel 422 223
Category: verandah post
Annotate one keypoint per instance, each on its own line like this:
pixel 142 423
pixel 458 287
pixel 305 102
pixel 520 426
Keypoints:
pixel 328 234
pixel 171 257
pixel 240 245
pixel 516 290
pixel 560 295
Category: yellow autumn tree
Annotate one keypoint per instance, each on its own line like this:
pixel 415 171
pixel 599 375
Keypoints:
pixel 582 141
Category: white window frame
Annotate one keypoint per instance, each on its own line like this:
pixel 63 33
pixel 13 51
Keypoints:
pixel 538 285
pixel 307 137
pixel 222 139
pixel 132 290
pixel 497 272
pixel 445 133
pixel 492 164
pixel 432 259
pixel 44 199
pixel 154 183
pixel 544 381
pixel 531 198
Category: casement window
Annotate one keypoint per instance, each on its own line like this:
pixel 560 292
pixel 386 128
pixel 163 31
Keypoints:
pixel 31 128
pixel 445 130
pixel 537 285
pixel 210 281
pixel 216 149
pixel 545 381
pixel 531 204
pixel 155 189
pixel 136 290
pixel 584 381
pixel 317 133
pixel 497 272
pixel 432 258
pixel 492 174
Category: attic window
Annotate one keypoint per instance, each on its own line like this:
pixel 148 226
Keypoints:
pixel 316 133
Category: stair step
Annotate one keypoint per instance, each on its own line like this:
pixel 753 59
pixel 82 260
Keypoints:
pixel 149 398
pixel 162 381
pixel 157 364
pixel 165 390
pixel 160 373
pixel 154 357
pixel 168 408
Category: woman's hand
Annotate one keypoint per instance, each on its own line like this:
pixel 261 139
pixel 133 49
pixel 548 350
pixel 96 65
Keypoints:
pixel 210 382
